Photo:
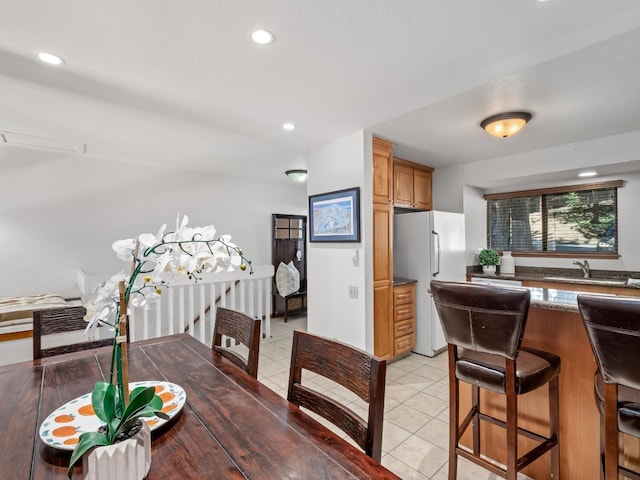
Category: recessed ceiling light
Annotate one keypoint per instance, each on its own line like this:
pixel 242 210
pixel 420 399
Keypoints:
pixel 263 37
pixel 289 126
pixel 50 58
pixel 590 173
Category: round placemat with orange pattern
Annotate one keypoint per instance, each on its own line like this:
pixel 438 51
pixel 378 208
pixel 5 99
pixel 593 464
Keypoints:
pixel 62 428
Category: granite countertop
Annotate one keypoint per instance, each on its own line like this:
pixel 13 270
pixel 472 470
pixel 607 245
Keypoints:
pixel 553 299
pixel 605 278
pixel 403 281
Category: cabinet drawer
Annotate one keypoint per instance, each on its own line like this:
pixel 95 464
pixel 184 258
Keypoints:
pixel 400 329
pixel 404 344
pixel 404 294
pixel 404 312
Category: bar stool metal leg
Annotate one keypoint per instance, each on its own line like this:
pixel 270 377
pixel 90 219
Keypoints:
pixel 512 420
pixel 454 414
pixel 554 425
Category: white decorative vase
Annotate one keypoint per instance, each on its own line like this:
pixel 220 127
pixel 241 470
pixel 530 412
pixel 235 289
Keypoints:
pixel 490 269
pixel 126 460
pixel 507 264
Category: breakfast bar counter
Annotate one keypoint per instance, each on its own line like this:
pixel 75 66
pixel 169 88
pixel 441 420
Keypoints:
pixel 554 325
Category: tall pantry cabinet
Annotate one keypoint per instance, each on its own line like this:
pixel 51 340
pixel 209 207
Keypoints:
pixel 382 249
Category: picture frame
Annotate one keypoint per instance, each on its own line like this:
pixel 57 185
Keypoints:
pixel 335 216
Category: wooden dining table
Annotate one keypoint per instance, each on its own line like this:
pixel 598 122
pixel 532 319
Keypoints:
pixel 230 427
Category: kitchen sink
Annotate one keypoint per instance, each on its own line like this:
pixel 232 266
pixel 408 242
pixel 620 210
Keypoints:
pixel 592 281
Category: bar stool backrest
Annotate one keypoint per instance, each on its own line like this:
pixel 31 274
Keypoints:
pixel 613 328
pixel 483 318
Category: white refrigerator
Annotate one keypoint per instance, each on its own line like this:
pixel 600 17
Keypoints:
pixel 426 246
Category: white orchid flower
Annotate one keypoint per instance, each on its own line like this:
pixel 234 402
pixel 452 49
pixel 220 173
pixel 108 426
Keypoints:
pixel 147 240
pixel 103 307
pixel 161 257
pixel 181 226
pixel 124 249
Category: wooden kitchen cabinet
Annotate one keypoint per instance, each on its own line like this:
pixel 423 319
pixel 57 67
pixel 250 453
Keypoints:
pixel 404 318
pixel 382 171
pixel 383 281
pixel 383 341
pixel 412 185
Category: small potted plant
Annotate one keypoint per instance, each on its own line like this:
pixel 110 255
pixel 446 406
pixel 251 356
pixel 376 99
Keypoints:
pixel 121 423
pixel 489 258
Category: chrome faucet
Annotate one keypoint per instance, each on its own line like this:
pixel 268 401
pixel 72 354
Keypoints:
pixel 584 267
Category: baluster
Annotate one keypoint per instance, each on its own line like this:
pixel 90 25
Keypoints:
pixel 223 294
pixel 202 321
pixel 158 308
pixel 212 313
pixel 191 309
pixel 145 324
pixel 266 285
pixel 232 295
pixel 170 311
pixel 133 322
pixel 181 308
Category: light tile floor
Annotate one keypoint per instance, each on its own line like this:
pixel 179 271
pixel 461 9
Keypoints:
pixel 415 431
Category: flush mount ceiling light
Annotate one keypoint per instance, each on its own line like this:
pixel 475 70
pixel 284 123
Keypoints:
pixel 505 124
pixel 298 176
pixel 263 37
pixel 50 58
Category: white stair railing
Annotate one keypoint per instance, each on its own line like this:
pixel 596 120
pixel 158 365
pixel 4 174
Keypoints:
pixel 191 307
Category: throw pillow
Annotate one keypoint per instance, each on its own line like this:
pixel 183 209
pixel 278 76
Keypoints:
pixel 287 279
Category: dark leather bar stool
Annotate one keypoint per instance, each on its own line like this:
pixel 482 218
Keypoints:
pixel 613 328
pixel 484 325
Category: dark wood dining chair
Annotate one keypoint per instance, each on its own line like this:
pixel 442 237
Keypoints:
pixel 613 328
pixel 354 369
pixel 242 328
pixel 51 321
pixel 484 326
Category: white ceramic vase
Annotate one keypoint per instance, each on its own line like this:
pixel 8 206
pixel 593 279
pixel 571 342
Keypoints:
pixel 490 269
pixel 507 264
pixel 126 460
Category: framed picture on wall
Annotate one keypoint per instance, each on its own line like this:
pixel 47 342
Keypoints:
pixel 335 216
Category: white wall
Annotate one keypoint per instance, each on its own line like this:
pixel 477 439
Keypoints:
pixel 526 168
pixel 531 166
pixel 475 234
pixel 447 189
pixel 60 216
pixel 335 166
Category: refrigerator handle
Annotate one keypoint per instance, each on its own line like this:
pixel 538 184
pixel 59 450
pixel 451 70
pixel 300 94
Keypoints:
pixel 437 265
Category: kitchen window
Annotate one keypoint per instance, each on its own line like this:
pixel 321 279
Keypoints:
pixel 576 220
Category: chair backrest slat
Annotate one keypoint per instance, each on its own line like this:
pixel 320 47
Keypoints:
pixel 354 369
pixel 52 321
pixel 242 328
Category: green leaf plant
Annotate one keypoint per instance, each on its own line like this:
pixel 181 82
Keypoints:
pixel 143 402
pixel 488 256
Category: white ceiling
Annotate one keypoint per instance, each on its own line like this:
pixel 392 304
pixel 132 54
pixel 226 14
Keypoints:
pixel 179 84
